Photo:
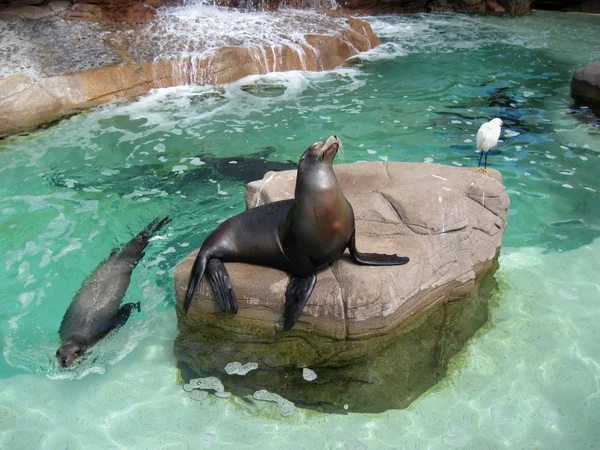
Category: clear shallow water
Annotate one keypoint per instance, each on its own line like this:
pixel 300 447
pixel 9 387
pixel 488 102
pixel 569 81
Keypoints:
pixel 529 378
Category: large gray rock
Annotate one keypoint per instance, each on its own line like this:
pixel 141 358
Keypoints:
pixel 448 220
pixel 377 337
pixel 585 85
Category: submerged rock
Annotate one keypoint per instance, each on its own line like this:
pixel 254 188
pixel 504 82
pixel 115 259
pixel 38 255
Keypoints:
pixel 359 319
pixel 585 86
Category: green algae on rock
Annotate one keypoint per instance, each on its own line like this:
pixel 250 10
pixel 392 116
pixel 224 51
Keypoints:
pixel 362 326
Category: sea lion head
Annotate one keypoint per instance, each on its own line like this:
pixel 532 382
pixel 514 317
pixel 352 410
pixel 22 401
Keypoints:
pixel 68 353
pixel 321 152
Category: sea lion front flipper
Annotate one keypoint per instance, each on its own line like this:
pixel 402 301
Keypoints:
pixel 221 285
pixel 195 277
pixel 374 259
pixel 296 295
pixel 124 313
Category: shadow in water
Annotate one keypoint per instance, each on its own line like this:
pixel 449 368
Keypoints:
pixel 125 180
pixel 588 113
pixel 367 375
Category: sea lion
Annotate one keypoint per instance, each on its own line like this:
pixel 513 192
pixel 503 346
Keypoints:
pixel 299 236
pixel 96 310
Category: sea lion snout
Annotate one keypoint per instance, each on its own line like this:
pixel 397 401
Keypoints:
pixel 68 353
pixel 322 151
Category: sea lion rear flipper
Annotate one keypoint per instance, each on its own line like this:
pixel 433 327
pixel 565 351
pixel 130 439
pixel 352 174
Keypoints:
pixel 195 277
pixel 124 313
pixel 296 295
pixel 152 228
pixel 374 259
pixel 221 285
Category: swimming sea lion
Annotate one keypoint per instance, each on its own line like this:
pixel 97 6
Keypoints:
pixel 299 236
pixel 96 309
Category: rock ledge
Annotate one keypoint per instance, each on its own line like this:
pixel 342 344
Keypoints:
pixel 448 220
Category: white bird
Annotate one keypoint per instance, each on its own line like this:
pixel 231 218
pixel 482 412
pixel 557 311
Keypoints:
pixel 487 137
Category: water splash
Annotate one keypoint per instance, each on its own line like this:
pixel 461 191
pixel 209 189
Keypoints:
pixel 188 34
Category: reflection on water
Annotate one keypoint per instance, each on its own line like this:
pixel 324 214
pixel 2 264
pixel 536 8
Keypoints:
pixel 72 192
pixel 361 375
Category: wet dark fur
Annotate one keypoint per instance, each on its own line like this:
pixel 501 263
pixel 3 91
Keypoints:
pixel 299 236
pixel 96 308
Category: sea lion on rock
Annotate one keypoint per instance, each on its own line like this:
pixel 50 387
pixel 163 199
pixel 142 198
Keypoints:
pixel 96 310
pixel 299 236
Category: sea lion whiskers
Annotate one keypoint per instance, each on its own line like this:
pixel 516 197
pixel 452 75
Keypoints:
pixel 341 152
pixel 328 147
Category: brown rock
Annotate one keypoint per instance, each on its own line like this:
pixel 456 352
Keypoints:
pixel 25 103
pixel 63 94
pixel 448 220
pixel 112 11
pixel 376 336
pixel 25 12
pixel 59 6
pixel 585 85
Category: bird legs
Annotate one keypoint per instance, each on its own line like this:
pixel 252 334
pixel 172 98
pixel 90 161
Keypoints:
pixel 479 169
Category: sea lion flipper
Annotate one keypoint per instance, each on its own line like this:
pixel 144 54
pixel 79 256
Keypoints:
pixel 221 284
pixel 374 259
pixel 124 313
pixel 195 278
pixel 152 228
pixel 296 295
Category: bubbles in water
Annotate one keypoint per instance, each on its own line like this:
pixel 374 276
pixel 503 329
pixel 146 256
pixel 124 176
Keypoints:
pixel 212 383
pixel 179 169
pixel 308 374
pixel 198 395
pixel 498 417
pixel 237 368
pixel 286 408
pixel 354 444
pixel 459 437
pixel 549 416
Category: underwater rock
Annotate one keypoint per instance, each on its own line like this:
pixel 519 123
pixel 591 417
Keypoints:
pixel 448 220
pixel 585 86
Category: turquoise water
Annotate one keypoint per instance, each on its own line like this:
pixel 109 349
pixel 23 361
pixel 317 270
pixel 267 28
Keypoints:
pixel 69 194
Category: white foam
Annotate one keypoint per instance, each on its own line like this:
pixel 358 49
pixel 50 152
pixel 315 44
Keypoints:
pixel 309 374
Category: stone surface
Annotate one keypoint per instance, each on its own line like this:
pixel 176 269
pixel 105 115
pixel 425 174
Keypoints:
pixel 377 337
pixel 448 220
pixel 31 12
pixel 26 102
pixel 513 7
pixel 585 85
pixel 111 11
